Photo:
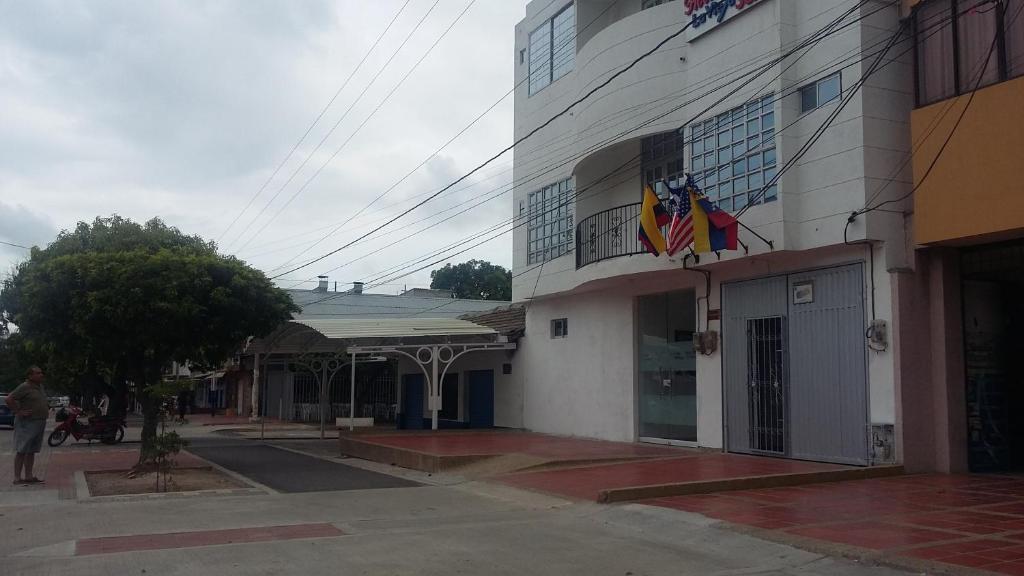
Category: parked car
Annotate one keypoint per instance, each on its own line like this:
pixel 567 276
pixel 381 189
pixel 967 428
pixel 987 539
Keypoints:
pixel 6 416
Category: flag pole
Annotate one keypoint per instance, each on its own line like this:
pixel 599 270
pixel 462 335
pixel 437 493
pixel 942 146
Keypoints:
pixel 761 238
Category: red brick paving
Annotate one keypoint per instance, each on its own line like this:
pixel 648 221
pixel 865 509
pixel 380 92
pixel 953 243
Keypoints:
pixel 587 482
pixel 555 447
pixel 115 544
pixel 963 520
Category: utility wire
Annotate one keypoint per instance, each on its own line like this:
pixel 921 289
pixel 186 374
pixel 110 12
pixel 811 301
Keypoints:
pixel 314 123
pixel 336 124
pixel 810 41
pixel 441 148
pixel 800 46
pixel 511 146
pixel 754 63
pixel 956 125
pixel 364 122
pixel 14 245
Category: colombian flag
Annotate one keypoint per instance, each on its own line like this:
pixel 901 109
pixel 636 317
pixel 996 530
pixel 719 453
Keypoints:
pixel 714 229
pixel 653 216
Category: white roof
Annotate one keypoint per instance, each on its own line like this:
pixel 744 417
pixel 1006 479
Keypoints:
pixel 353 328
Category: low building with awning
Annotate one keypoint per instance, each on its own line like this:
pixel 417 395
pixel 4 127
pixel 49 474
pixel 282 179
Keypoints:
pixel 417 361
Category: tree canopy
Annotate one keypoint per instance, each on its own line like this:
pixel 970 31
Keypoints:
pixel 133 297
pixel 475 279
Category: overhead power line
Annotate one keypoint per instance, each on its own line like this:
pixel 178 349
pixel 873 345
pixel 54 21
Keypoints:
pixel 828 28
pixel 336 124
pixel 543 125
pixel 314 123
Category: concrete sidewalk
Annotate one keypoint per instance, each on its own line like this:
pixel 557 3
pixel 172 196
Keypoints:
pixel 472 529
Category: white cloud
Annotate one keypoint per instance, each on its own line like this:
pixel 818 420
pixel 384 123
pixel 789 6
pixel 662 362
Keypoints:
pixel 182 110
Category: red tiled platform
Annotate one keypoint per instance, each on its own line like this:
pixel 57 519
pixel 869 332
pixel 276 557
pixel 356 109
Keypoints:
pixel 438 451
pixel 60 471
pixel 966 520
pixel 555 447
pixel 590 481
pixel 114 544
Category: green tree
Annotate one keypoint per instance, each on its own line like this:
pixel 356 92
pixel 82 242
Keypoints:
pixel 475 279
pixel 132 298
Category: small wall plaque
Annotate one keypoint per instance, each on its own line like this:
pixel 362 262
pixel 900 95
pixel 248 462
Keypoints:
pixel 803 292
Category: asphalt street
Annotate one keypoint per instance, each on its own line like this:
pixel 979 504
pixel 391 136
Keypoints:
pixel 287 471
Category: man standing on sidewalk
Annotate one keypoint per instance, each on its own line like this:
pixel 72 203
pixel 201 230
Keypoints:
pixel 31 409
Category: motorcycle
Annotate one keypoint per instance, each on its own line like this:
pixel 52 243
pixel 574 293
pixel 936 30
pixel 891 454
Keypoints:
pixel 106 429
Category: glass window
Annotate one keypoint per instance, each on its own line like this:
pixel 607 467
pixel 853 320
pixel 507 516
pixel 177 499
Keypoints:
pixel 820 93
pixel 563 34
pixel 553 49
pixel 666 161
pixel 540 58
pixel 667 365
pixel 652 3
pixel 550 223
pixel 736 172
pixel 964 44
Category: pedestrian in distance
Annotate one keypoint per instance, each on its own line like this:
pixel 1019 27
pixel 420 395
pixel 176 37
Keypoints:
pixel 31 410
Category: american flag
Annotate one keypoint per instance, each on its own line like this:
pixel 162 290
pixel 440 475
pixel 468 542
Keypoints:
pixel 680 231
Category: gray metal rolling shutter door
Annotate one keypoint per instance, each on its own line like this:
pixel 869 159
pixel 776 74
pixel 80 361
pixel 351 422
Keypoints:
pixel 742 301
pixel 827 369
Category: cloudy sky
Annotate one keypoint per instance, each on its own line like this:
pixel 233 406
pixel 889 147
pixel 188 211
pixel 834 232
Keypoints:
pixel 184 109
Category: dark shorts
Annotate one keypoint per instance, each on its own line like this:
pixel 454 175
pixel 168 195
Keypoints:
pixel 28 435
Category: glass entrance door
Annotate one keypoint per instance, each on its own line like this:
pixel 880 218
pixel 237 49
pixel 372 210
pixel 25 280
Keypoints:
pixel 667 366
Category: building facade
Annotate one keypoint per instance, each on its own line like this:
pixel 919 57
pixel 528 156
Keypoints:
pixel 779 348
pixel 960 314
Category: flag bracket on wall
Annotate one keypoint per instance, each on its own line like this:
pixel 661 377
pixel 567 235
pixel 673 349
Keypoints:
pixel 694 222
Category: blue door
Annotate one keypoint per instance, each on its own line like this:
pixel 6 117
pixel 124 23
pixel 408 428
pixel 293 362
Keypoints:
pixel 412 402
pixel 481 398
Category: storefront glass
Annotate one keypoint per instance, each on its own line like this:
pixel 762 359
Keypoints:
pixel 667 366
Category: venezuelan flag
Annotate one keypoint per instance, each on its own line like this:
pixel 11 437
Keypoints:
pixel 653 216
pixel 714 229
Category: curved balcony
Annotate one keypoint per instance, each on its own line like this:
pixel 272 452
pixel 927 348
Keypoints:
pixel 609 234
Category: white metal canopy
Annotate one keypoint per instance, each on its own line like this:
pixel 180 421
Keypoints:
pixel 438 343
pixel 359 328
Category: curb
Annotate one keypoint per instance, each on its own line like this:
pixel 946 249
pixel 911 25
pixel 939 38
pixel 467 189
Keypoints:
pixel 633 493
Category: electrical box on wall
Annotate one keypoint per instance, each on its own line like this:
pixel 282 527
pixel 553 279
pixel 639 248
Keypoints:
pixel 877 335
pixel 705 342
pixel 883 444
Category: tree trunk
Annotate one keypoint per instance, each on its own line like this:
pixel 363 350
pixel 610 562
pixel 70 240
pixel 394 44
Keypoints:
pixel 150 420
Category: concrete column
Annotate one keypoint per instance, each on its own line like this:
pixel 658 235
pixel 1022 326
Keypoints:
pixel 931 425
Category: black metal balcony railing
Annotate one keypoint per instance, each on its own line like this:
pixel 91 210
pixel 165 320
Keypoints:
pixel 608 234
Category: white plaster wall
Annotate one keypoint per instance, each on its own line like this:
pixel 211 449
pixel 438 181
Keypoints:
pixel 581 385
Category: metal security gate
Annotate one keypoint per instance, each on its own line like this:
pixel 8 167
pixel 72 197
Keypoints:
pixel 766 361
pixel 795 366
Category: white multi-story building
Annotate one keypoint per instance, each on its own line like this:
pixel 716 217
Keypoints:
pixel 795 360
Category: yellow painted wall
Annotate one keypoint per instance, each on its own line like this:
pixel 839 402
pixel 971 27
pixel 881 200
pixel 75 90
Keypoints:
pixel 975 192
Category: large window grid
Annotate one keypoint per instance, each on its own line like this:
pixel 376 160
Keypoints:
pixel 552 49
pixel 951 52
pixel 663 158
pixel 732 155
pixel 550 222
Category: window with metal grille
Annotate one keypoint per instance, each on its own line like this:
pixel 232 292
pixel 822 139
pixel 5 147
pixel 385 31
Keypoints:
pixel 663 158
pixel 820 92
pixel 732 155
pixel 953 40
pixel 560 328
pixel 550 222
pixel 553 49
